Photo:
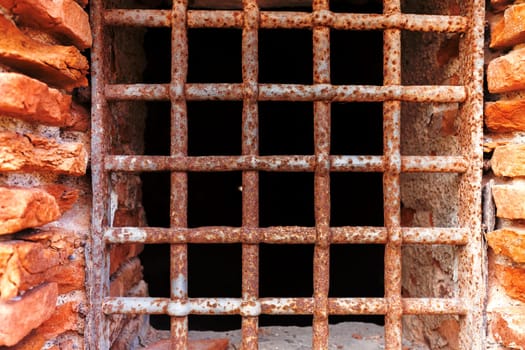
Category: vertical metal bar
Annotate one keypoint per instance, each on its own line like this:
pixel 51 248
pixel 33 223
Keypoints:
pixel 321 72
pixel 471 256
pixel 97 266
pixel 250 179
pixel 391 182
pixel 179 180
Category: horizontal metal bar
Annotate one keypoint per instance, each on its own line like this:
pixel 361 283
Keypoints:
pixel 282 235
pixel 291 92
pixel 291 20
pixel 434 306
pixel 278 306
pixel 437 164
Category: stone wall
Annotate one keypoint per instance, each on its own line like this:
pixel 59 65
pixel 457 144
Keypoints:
pixel 45 188
pixel 504 172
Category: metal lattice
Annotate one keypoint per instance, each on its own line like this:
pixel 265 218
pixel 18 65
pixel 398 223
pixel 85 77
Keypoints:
pixel 468 303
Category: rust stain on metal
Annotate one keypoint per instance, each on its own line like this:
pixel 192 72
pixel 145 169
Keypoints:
pixel 322 93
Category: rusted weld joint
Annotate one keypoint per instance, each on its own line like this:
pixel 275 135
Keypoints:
pixel 177 92
pixel 323 18
pixel 322 164
pixel 250 91
pixel 250 307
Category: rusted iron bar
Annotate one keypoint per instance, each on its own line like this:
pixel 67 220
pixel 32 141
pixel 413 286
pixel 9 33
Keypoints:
pixel 292 20
pixel 322 129
pixel 279 306
pixel 97 264
pixel 392 183
pixel 471 283
pixel 291 92
pixel 250 177
pixel 179 181
pixel 282 235
pixel 409 164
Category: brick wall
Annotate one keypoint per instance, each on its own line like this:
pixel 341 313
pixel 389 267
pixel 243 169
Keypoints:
pixel 45 190
pixel 504 171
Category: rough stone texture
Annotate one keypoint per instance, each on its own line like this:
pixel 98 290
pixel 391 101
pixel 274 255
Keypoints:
pixel 510 200
pixel 512 279
pixel 65 319
pixel 22 208
pixel 53 255
pixel 507 73
pixel 499 5
pixel 32 100
pixel 509 160
pixel 129 274
pixel 343 336
pixel 507 327
pixel 509 241
pixel 201 344
pixel 64 18
pixel 505 115
pixel 510 30
pixel 16 321
pixel 35 153
pixel 119 253
pixel 61 66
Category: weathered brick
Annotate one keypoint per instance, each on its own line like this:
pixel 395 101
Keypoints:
pixel 499 5
pixel 508 327
pixel 509 160
pixel 512 279
pixel 35 153
pixel 66 318
pixel 52 255
pixel 64 18
pixel 61 66
pixel 505 115
pixel 31 100
pixel 510 200
pixel 22 208
pixel 19 316
pixel 510 30
pixel 119 253
pixel 129 274
pixel 509 241
pixel 507 73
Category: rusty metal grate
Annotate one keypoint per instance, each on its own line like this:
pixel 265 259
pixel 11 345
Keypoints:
pixel 468 303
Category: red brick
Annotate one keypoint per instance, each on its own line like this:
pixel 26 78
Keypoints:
pixel 129 274
pixel 510 200
pixel 510 30
pixel 22 208
pixel 52 255
pixel 31 100
pixel 508 328
pixel 35 153
pixel 505 115
pixel 507 73
pixel 119 253
pixel 508 241
pixel 499 5
pixel 64 18
pixel 19 316
pixel 61 66
pixel 509 160
pixel 512 279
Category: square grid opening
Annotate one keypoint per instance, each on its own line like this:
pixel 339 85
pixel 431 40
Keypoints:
pixel 323 88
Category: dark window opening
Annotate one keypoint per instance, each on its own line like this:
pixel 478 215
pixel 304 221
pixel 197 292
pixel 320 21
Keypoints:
pixel 286 199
